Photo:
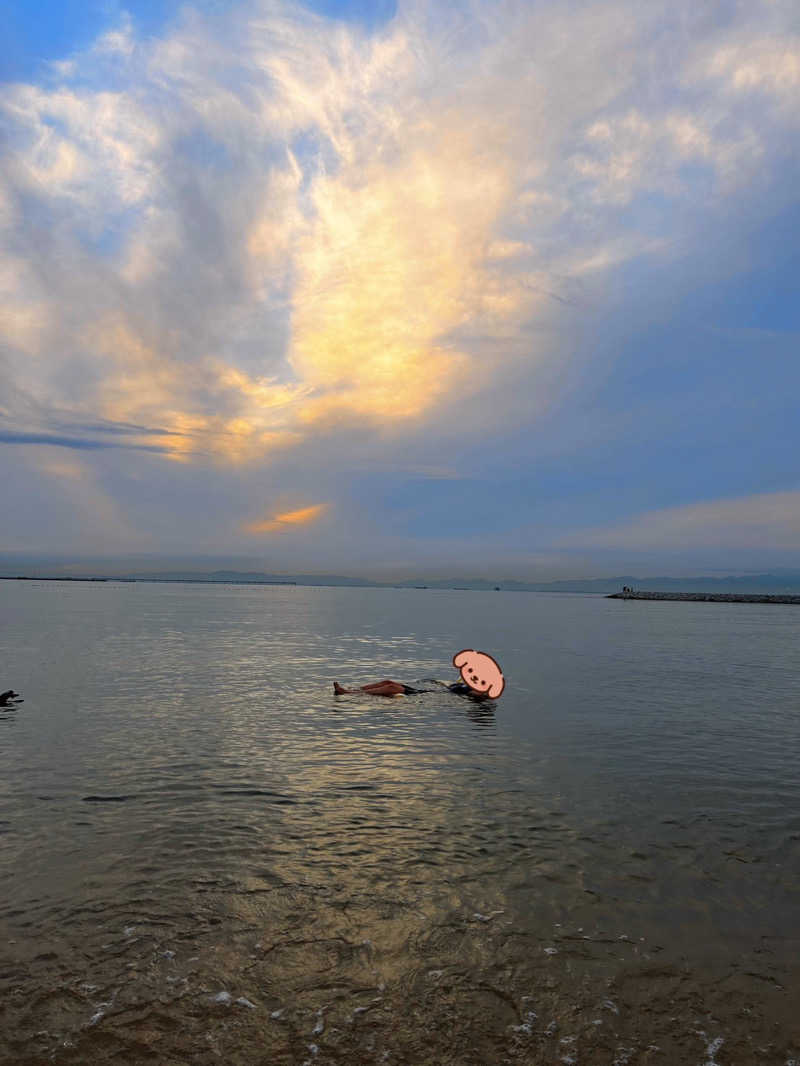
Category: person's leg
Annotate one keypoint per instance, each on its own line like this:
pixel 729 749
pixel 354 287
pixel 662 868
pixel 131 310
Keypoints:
pixel 377 688
pixel 383 688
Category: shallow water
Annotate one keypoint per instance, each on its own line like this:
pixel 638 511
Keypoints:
pixel 206 857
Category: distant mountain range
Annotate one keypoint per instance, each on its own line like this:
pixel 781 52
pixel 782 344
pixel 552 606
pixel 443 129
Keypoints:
pixel 788 581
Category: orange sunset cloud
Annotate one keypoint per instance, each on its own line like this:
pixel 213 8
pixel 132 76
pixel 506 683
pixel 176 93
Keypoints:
pixel 302 517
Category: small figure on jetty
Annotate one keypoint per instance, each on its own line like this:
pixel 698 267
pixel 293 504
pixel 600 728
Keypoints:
pixel 9 698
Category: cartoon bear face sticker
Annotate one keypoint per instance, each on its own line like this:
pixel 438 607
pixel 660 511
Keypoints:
pixel 480 672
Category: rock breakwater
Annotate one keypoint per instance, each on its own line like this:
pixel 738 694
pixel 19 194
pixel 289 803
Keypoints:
pixel 704 597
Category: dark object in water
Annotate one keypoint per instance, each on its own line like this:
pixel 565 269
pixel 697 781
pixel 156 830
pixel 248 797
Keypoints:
pixel 7 697
pixel 460 688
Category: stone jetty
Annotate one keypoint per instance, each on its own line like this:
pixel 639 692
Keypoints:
pixel 703 597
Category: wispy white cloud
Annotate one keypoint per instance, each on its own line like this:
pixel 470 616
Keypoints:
pixel 766 522
pixel 80 506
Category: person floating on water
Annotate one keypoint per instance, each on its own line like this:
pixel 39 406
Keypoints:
pixel 397 688
pixel 7 699
pixel 481 676
pixel 379 688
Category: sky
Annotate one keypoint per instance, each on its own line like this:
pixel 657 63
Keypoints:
pixel 492 288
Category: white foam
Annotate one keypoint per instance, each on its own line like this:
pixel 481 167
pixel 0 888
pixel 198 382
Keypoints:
pixel 320 1026
pixel 244 1002
pixel 712 1049
pixel 222 997
pixel 168 954
pixel 610 1006
pixel 487 917
pixel 278 1013
pixel 527 1026
pixel 551 951
pixel 129 930
pixel 100 1010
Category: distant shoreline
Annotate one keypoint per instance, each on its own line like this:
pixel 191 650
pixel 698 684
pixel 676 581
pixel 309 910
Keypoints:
pixel 145 580
pixel 321 582
pixel 704 597
pixel 233 581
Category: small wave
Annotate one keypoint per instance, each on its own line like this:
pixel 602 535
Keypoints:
pixel 107 799
pixel 274 797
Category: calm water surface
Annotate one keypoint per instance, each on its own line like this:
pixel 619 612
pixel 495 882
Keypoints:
pixel 206 857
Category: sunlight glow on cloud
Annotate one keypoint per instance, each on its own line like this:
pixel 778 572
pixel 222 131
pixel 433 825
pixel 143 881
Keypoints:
pixel 302 517
pixel 267 227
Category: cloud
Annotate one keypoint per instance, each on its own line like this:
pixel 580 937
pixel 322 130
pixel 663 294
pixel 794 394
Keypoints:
pixel 77 503
pixel 765 63
pixel 271 239
pixel 264 225
pixel 9 437
pixel 302 517
pixel 765 521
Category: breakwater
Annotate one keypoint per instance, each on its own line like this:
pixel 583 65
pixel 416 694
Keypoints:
pixel 704 597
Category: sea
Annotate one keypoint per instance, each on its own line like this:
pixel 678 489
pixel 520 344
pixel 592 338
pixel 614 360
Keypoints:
pixel 206 857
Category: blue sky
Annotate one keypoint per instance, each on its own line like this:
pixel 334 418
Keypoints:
pixel 503 289
pixel 36 34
